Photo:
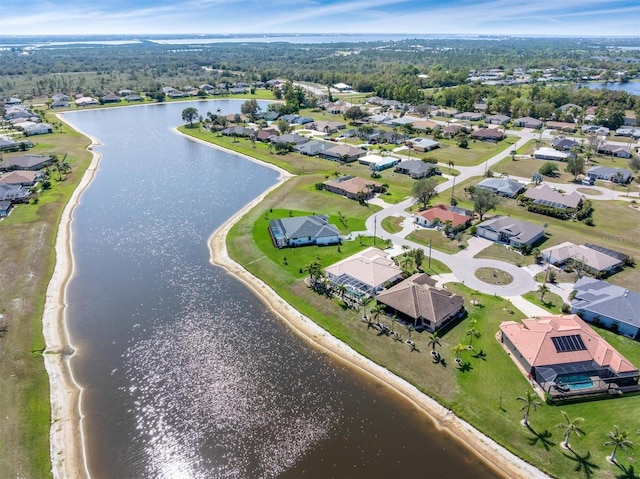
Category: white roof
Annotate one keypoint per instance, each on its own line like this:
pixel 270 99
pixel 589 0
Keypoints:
pixel 376 159
pixel 546 151
pixel 370 266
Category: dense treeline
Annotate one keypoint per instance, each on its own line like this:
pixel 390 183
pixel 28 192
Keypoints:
pixel 388 69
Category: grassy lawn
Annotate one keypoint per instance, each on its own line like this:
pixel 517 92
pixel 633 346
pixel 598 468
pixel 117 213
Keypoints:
pixel 501 253
pixel 27 239
pixel 550 301
pixel 493 276
pixel 475 154
pixel 484 390
pixel 438 240
pixel 393 224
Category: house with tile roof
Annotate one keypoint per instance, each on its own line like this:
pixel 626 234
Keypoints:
pixel 504 229
pixel 353 187
pixel 417 169
pixel 488 134
pixel 581 256
pixel 548 196
pixel 441 214
pixel 417 301
pixel 502 186
pixel 567 358
pixel 302 231
pixel 365 273
pixel 608 305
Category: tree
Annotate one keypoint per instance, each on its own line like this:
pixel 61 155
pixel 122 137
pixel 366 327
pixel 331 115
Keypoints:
pixel 458 350
pixel 433 340
pixel 250 108
pixel 189 115
pixel 376 311
pixel 618 439
pixel 418 257
pixel 529 402
pixel 484 200
pixel 423 190
pixel 548 168
pixel 543 289
pixel 536 178
pixel 575 166
pixel 315 272
pixel 570 426
pixel 634 162
pixel 472 332
pixel 283 126
pixel 355 113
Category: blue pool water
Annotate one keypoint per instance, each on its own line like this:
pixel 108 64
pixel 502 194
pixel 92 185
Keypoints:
pixel 575 381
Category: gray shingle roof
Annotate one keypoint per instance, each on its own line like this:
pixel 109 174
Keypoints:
pixel 608 300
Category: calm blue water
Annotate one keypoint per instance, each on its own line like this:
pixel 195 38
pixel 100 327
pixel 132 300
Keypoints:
pixel 186 374
pixel 630 87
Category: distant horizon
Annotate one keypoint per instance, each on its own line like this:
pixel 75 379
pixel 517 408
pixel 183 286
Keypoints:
pixel 568 18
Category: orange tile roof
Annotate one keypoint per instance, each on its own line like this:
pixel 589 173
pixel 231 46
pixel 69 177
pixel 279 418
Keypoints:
pixel 443 214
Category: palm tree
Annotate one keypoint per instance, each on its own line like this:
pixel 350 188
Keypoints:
pixel 618 439
pixel 472 332
pixel 542 289
pixel 529 401
pixel 571 426
pixel 450 164
pixel 458 350
pixel 376 311
pixel 434 340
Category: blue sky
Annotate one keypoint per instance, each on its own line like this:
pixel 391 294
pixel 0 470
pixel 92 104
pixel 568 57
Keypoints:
pixel 519 17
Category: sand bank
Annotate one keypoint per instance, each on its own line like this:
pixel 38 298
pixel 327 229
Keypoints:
pixel 498 458
pixel 68 458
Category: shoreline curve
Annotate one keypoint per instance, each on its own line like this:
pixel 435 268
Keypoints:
pixel 66 436
pixel 496 457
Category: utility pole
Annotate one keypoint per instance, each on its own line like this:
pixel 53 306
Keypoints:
pixel 429 254
pixel 375 224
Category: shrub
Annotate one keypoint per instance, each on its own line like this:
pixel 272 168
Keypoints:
pixel 565 308
pixel 589 221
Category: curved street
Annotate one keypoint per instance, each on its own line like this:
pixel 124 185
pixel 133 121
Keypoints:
pixel 463 265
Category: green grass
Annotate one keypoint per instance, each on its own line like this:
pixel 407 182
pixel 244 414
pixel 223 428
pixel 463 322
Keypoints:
pixel 551 301
pixel 393 224
pixel 438 240
pixel 493 276
pixel 483 392
pixel 501 253
pixel 475 154
pixel 27 256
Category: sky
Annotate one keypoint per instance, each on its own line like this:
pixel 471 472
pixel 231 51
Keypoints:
pixel 494 17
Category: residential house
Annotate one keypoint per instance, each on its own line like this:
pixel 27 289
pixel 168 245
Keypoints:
pixel 337 108
pixel 607 173
pixel 504 229
pixel 290 138
pixel 581 256
pixel 377 162
pixel 353 187
pixel 629 132
pixel 86 101
pixel 595 130
pixel 25 162
pixel 60 104
pixel 502 186
pixel 417 169
pixel 59 97
pixel 469 115
pixel 365 273
pixel 342 87
pixel 546 153
pixel 266 134
pixel 418 301
pixel 427 125
pixel 240 131
pixel 562 126
pixel 445 112
pixel 527 122
pixel 548 196
pixel 8 145
pixel 133 97
pixel 608 305
pixel 21 177
pixel 14 193
pixel 110 98
pixel 567 358
pixel 442 214
pixel 312 148
pixel 37 129
pixel 302 231
pixel 498 119
pixel 613 149
pixel 451 130
pixel 423 144
pixel 564 144
pixel 488 134
pixel 328 127
pixel 343 153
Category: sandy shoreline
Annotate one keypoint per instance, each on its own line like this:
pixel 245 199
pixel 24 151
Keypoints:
pixel 66 437
pixel 503 462
pixel 67 446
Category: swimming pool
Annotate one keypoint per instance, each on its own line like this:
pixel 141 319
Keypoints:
pixel 575 381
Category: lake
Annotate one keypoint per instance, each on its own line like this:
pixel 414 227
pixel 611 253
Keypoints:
pixel 186 374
